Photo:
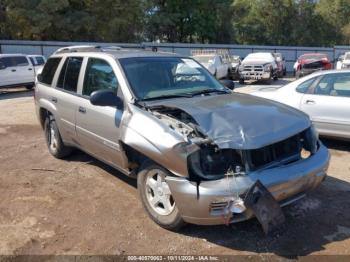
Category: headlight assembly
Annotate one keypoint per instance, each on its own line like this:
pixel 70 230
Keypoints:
pixel 267 68
pixel 311 140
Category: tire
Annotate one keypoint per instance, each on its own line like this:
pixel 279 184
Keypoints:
pixel 29 87
pixel 241 81
pixel 284 72
pixel 53 139
pixel 274 76
pixel 152 186
pixel 215 74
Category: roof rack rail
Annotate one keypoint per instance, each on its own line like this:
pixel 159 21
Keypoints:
pixel 112 47
pixel 85 48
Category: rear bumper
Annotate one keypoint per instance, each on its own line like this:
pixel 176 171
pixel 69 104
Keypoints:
pixel 255 75
pixel 212 203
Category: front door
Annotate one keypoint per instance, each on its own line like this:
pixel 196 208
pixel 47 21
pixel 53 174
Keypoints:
pixel 328 104
pixel 98 128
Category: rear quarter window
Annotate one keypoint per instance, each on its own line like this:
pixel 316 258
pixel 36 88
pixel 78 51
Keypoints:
pixel 49 70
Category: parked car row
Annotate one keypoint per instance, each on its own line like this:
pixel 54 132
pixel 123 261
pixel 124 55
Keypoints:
pixel 20 70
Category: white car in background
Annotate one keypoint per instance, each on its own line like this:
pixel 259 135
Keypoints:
pixel 345 62
pixel 324 96
pixel 218 63
pixel 38 62
pixel 16 70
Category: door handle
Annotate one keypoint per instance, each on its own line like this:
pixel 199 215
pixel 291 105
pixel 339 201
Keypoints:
pixel 54 99
pixel 310 102
pixel 13 70
pixel 30 69
pixel 82 109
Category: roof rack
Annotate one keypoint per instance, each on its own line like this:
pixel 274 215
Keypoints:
pixel 85 48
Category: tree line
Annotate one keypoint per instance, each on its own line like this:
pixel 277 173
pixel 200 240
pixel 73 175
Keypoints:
pixel 263 22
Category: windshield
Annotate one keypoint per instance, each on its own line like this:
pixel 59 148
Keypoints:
pixel 152 77
pixel 259 56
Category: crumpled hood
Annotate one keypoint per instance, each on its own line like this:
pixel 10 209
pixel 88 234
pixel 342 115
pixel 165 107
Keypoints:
pixel 241 121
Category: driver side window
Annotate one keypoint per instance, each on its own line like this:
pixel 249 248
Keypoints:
pixel 99 75
pixel 325 86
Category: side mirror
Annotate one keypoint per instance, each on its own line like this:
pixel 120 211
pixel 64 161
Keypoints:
pixel 2 66
pixel 106 97
pixel 228 83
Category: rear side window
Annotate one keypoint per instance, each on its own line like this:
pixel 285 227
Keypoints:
pixel 49 70
pixel 69 75
pixel 20 61
pixel 99 75
pixel 304 87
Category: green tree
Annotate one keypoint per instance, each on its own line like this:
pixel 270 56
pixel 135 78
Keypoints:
pixel 336 15
pixel 74 20
pixel 189 21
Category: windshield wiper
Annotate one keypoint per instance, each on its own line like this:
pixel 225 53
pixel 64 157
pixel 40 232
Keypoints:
pixel 166 97
pixel 208 91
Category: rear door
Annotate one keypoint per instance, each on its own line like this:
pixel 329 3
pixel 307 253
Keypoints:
pixel 98 128
pixel 66 98
pixel 328 104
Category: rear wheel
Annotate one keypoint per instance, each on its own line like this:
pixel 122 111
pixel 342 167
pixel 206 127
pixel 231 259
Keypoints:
pixel 156 197
pixel 53 139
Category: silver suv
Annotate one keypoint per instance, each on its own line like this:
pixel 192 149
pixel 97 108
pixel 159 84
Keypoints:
pixel 201 153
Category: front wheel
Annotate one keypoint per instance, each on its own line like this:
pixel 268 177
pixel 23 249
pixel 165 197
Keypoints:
pixel 156 197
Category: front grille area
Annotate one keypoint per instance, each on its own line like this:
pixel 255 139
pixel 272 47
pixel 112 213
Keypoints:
pixel 286 151
pixel 253 68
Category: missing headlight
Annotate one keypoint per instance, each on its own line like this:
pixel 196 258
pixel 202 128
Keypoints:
pixel 211 163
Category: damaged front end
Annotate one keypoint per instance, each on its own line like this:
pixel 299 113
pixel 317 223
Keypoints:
pixel 219 179
pixel 226 155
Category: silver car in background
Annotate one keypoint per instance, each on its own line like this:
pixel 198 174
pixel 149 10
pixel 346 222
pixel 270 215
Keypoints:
pixel 324 96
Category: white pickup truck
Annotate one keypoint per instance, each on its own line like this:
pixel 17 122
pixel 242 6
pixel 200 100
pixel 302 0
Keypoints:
pixel 258 66
pixel 19 70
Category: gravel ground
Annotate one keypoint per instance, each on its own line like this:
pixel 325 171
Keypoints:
pixel 80 206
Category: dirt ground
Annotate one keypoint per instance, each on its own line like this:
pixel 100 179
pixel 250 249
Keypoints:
pixel 81 206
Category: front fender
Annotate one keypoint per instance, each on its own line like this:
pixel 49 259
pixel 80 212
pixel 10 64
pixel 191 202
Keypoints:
pixel 153 138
